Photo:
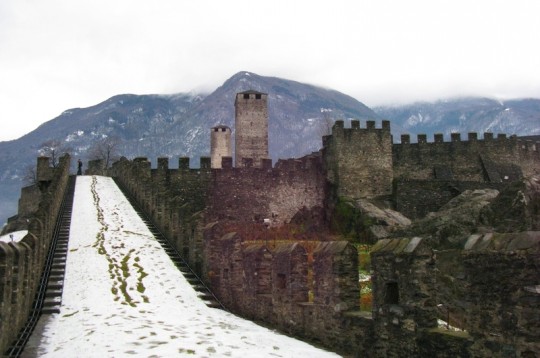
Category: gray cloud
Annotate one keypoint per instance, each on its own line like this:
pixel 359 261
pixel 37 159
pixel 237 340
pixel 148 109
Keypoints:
pixel 61 54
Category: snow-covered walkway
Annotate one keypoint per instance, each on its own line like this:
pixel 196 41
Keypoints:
pixel 124 297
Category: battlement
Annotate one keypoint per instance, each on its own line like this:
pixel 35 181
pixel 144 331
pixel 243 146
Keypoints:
pixel 472 137
pixel 307 162
pixel 489 146
pixel 493 158
pixel 355 125
pixel 251 94
pixel 359 160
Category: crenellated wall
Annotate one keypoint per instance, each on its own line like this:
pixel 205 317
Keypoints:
pixel 20 271
pixel 174 198
pixel 256 267
pixel 500 159
pixel 359 160
pixel 276 194
pixel 22 263
pixel 258 235
pixel 238 228
pixel 182 201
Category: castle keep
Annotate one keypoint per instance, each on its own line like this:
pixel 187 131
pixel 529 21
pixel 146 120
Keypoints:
pixel 267 239
pixel 251 125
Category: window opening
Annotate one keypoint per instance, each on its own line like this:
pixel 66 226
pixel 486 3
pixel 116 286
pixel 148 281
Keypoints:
pixel 281 281
pixel 392 293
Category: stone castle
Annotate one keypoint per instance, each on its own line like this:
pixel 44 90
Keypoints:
pixel 269 240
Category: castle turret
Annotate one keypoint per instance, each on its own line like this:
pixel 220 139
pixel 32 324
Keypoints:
pixel 220 145
pixel 251 126
pixel 359 161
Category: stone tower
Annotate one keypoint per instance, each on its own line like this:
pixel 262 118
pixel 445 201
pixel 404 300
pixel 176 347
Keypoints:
pixel 220 145
pixel 359 160
pixel 251 125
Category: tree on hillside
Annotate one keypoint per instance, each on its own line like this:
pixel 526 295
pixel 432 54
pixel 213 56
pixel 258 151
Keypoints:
pixel 54 149
pixel 105 150
pixel 29 175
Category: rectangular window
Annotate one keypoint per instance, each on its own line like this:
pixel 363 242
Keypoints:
pixel 258 96
pixel 246 95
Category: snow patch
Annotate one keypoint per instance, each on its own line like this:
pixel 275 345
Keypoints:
pixel 123 296
pixel 15 236
pixel 73 136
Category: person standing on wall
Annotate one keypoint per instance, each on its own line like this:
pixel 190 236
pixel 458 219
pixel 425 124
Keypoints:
pixel 79 170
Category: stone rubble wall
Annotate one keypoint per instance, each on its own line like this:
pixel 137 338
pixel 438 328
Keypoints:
pixel 22 263
pixel 359 160
pixel 308 289
pixel 490 159
pixel 174 198
pixel 182 201
pixel 216 217
pixel 489 290
pixel 502 277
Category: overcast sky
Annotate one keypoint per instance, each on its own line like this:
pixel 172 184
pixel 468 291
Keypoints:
pixel 61 54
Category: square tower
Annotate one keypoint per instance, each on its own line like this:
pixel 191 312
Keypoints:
pixel 220 145
pixel 251 125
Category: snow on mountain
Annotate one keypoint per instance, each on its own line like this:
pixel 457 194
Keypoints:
pixel 520 117
pixel 179 124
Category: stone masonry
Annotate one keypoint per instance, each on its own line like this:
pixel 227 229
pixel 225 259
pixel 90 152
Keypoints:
pixel 251 126
pixel 259 236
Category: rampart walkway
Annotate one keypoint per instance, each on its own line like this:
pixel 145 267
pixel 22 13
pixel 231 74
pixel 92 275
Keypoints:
pixel 123 296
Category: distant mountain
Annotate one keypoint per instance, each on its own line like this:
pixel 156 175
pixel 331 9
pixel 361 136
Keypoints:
pixel 463 115
pixel 179 125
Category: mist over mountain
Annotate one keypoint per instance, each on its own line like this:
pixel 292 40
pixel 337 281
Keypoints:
pixel 179 125
pixel 463 115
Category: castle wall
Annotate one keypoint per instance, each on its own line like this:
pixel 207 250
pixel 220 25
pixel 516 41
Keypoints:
pixel 488 290
pixel 491 159
pixel 174 198
pixel 225 222
pixel 276 194
pixel 183 200
pixel 501 275
pixel 270 282
pixel 404 294
pixel 22 263
pixel 29 200
pixel 359 161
